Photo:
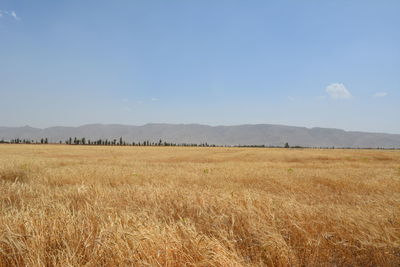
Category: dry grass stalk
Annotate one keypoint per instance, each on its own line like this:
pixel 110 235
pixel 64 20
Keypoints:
pixel 166 206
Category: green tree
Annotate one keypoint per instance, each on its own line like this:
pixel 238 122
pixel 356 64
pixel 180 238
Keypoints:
pixel 287 145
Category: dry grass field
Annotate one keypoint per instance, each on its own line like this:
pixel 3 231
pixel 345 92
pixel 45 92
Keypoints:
pixel 170 206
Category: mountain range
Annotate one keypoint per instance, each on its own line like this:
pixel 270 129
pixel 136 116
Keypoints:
pixel 257 134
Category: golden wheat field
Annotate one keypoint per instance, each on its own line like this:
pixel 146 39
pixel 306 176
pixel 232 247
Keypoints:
pixel 184 206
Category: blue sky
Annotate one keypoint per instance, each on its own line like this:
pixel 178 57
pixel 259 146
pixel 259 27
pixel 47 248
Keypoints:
pixel 307 63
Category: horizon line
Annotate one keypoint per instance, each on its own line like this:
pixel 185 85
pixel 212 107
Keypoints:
pixel 198 124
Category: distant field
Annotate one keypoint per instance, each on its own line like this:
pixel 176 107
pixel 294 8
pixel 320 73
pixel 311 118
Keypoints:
pixel 172 206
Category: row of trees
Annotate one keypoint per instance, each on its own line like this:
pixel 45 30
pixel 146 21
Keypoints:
pixel 103 142
pixel 118 142
pixel 25 141
pixel 121 142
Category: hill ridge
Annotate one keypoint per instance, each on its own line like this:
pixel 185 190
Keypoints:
pixel 245 134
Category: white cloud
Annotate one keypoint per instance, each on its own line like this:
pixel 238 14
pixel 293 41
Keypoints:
pixel 380 94
pixel 337 91
pixel 154 99
pixel 14 15
pixel 9 13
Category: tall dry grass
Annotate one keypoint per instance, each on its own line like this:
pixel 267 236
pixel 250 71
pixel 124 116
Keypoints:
pixel 118 206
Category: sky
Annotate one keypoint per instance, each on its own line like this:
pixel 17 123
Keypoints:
pixel 309 63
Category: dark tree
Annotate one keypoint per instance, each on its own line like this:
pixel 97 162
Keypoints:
pixel 287 145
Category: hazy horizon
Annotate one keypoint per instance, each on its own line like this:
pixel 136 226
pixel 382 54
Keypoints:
pixel 187 124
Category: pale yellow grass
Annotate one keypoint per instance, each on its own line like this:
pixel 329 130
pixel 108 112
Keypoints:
pixel 169 206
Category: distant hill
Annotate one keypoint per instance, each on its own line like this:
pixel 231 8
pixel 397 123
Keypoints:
pixel 258 134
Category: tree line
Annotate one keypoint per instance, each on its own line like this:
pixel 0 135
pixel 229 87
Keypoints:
pixel 121 142
pixel 102 142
